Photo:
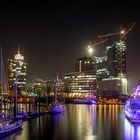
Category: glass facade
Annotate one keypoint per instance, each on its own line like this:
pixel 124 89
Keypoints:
pixel 102 68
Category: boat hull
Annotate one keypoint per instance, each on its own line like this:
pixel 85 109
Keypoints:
pixel 84 101
pixel 5 131
pixel 57 108
pixel 133 117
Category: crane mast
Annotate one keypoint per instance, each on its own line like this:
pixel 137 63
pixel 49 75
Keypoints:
pixel 122 33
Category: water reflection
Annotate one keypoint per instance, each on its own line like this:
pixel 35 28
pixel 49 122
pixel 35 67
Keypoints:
pixel 132 131
pixel 81 122
pixel 8 109
pixel 12 135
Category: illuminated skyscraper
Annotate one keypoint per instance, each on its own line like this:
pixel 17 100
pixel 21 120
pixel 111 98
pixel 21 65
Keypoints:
pixel 17 72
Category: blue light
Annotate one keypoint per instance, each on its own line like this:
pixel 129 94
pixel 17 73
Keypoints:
pixel 93 102
pixel 137 92
pixel 128 130
pixel 131 130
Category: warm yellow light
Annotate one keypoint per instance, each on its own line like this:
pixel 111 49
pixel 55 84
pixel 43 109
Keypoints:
pixel 90 50
pixel 122 32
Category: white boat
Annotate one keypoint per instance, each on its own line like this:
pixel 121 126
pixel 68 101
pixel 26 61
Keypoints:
pixel 132 106
pixel 84 101
pixel 7 127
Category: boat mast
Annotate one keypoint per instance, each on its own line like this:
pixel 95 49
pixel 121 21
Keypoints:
pixel 15 92
pixel 55 88
pixel 1 77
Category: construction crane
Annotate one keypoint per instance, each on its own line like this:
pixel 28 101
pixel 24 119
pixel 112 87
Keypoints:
pixel 123 36
pixel 96 42
pixel 103 38
pixel 123 32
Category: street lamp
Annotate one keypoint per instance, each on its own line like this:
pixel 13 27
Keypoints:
pixel 90 50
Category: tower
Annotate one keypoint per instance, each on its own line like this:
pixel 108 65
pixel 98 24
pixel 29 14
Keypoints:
pixel 17 72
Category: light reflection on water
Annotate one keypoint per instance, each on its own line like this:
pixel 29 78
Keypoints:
pixel 132 130
pixel 81 122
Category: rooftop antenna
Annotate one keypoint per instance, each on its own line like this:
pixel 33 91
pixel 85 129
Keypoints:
pixel 18 48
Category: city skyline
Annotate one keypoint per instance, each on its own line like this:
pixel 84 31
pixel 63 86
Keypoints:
pixel 52 36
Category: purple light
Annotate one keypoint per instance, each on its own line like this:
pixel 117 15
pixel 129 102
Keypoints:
pixel 93 102
pixel 137 92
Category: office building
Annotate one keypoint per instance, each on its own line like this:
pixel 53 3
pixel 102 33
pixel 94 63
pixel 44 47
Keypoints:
pixel 17 73
pixel 81 84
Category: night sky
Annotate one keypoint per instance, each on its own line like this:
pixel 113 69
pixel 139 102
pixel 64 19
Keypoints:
pixel 53 35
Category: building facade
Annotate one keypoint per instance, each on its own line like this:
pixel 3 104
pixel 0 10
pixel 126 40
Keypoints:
pixel 116 57
pixel 112 87
pixel 112 71
pixel 102 68
pixel 17 73
pixel 80 84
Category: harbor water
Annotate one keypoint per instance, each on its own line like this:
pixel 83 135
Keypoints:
pixel 80 122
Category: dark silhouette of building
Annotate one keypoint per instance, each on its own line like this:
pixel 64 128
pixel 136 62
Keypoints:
pixel 85 64
pixel 116 57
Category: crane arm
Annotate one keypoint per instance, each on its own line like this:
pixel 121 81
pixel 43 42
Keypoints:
pixel 122 33
pixel 108 35
pixel 131 27
pixel 102 41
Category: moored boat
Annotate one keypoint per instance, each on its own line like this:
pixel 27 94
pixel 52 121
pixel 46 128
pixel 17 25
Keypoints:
pixel 19 115
pixel 56 107
pixel 7 127
pixel 132 106
pixel 84 101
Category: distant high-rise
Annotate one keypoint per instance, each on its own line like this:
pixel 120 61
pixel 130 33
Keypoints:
pixel 17 72
pixel 82 82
